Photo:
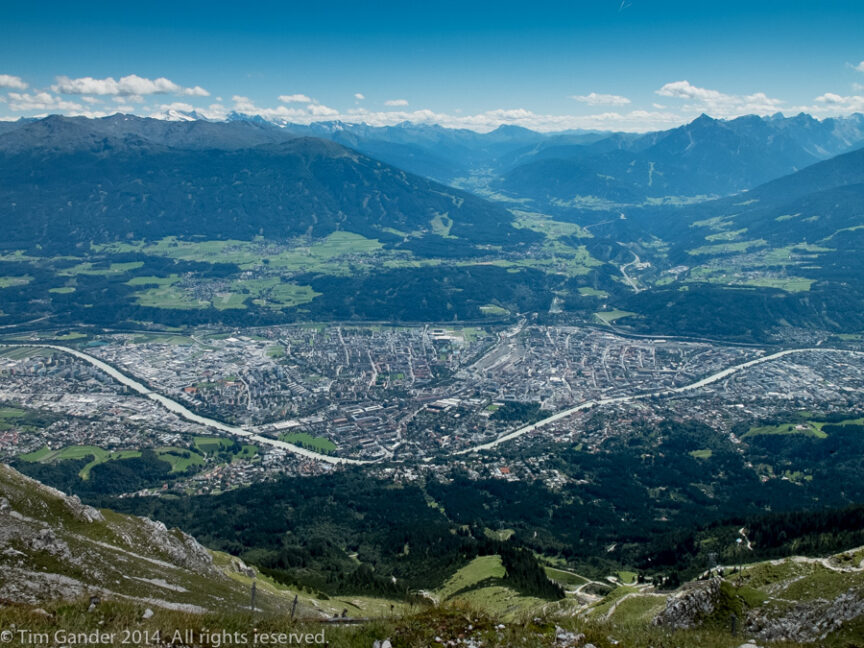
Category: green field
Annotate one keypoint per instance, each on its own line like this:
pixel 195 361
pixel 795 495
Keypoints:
pixel 36 455
pixel 284 294
pixel 276 351
pixel 586 291
pixel 547 225
pixel 247 451
pixel 164 294
pixel 727 248
pixel 304 440
pixel 150 338
pixel 19 353
pixel 499 534
pixel 8 282
pixel 272 292
pixel 805 428
pixel 607 317
pixel 149 280
pixel 792 254
pixel 181 459
pixel 46 455
pixel 72 335
pixel 754 276
pixel 211 444
pixel 627 577
pixel 441 225
pixel 229 300
pixel 567 579
pixel 11 413
pixel 729 235
pixel 789 284
pixel 471 575
pixel 701 454
pixel 306 256
pixel 63 290
pixel 480 585
pixel 492 309
pixel 87 268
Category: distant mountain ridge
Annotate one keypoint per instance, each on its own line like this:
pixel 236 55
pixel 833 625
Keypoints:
pixel 707 157
pixel 72 180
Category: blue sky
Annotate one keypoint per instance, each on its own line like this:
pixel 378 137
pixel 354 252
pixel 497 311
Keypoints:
pixel 612 64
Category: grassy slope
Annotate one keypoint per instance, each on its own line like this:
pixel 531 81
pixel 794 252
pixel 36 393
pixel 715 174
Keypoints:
pixel 137 563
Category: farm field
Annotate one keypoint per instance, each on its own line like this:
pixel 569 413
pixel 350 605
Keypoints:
pixel 320 444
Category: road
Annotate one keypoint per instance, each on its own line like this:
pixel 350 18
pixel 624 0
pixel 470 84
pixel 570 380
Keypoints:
pixel 183 412
pixel 720 375
pixel 636 260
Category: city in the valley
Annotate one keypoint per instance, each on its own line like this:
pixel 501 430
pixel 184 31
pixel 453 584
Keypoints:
pixel 241 406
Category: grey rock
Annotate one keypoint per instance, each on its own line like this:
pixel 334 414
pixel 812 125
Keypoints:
pixel 806 622
pixel 687 608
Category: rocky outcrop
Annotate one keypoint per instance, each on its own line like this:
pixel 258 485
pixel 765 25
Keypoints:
pixel 35 588
pixel 82 512
pixel 180 548
pixel 46 540
pixel 687 608
pixel 806 622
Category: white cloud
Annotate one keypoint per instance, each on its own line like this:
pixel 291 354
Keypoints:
pixel 178 105
pixel 301 115
pixel 125 86
pixel 295 98
pixel 719 104
pixel 859 67
pixel 12 82
pixel 129 95
pixel 359 96
pixel 839 104
pixel 683 90
pixel 320 110
pixel 41 101
pixel 196 91
pixel 830 98
pixel 637 120
pixel 597 99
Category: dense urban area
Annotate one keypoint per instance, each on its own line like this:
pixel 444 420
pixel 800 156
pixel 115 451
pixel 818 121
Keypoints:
pixel 413 401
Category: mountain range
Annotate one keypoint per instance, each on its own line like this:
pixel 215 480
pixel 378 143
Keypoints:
pixel 528 219
pixel 66 181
